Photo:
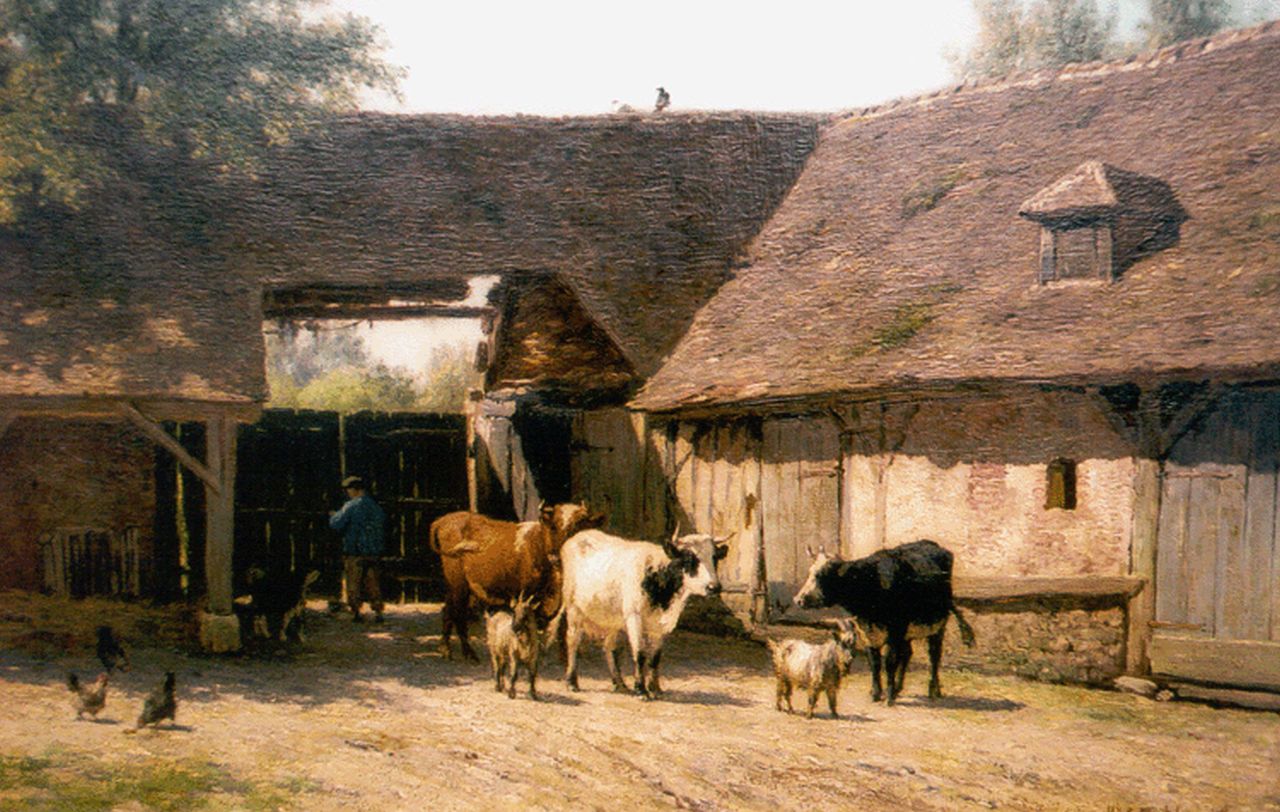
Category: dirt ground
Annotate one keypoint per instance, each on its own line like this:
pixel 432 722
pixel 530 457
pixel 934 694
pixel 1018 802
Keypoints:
pixel 371 717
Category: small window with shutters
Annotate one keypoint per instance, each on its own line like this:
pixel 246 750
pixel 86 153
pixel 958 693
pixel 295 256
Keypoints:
pixel 1080 252
pixel 1060 487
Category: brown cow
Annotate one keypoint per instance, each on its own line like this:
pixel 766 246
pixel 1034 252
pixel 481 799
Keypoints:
pixel 496 561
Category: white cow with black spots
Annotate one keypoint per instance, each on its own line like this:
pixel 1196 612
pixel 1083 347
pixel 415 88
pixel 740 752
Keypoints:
pixel 614 586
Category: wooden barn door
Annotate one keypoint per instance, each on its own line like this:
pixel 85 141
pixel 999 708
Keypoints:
pixel 1218 556
pixel 800 499
pixel 289 478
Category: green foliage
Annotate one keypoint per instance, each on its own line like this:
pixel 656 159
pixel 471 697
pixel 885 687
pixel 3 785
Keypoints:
pixel 331 370
pixel 907 320
pixel 349 389
pixel 449 375
pixel 1043 34
pixel 215 80
pixel 924 195
pixel 1175 20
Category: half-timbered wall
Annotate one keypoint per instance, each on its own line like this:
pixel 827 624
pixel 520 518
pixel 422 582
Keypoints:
pixel 972 475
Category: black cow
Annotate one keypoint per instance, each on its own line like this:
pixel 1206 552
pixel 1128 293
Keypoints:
pixel 895 596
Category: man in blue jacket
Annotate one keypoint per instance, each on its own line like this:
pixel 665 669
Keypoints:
pixel 362 525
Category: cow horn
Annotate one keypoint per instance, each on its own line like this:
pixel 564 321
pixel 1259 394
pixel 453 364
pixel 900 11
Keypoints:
pixel 675 534
pixel 810 551
pixel 720 541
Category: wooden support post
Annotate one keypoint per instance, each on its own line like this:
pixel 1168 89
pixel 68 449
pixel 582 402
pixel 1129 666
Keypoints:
pixel 219 628
pixel 163 439
pixel 1147 486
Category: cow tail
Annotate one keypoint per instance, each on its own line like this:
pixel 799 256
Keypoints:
pixel 966 631
pixel 553 628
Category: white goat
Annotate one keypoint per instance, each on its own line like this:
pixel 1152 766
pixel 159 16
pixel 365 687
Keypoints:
pixel 817 668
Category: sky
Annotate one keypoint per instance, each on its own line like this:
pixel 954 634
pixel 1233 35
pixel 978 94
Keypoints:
pixel 568 57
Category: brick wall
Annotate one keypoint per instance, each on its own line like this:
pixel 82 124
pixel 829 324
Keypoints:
pixel 69 474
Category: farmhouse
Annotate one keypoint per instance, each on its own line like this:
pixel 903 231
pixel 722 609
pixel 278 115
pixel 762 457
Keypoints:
pixel 1028 319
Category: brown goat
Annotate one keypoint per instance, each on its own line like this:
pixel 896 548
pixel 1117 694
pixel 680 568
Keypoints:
pixel 495 562
pixel 514 640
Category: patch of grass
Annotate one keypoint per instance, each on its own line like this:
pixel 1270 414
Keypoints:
pixel 907 320
pixel 78 785
pixel 22 771
pixel 925 195
pixel 1267 220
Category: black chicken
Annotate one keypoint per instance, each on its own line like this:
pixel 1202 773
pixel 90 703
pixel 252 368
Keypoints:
pixel 110 652
pixel 161 704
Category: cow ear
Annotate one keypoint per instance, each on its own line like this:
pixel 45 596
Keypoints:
pixel 722 549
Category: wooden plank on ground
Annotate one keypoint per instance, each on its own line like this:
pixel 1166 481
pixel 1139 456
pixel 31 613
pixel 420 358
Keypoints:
pixel 1242 663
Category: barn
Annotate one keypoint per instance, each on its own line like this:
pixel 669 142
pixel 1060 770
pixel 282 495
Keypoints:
pixel 1028 319
pixel 136 458
pixel 1031 320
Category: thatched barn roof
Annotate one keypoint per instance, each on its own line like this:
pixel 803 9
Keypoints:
pixel 899 262
pixel 158 292
pixel 643 214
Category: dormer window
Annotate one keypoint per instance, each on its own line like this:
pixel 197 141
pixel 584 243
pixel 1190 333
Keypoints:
pixel 1098 220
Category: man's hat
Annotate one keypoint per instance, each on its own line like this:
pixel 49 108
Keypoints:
pixel 353 482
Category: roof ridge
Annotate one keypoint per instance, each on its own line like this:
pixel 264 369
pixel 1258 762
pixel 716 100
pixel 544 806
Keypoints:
pixel 1177 52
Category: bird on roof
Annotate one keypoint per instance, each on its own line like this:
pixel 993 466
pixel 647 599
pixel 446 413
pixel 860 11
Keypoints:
pixel 110 652
pixel 663 102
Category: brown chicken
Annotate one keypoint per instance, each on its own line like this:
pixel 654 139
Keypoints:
pixel 90 698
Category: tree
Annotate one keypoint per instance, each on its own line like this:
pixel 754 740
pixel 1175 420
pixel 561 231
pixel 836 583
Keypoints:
pixel 213 80
pixel 1066 31
pixel 1175 20
pixel 449 375
pixel 1044 34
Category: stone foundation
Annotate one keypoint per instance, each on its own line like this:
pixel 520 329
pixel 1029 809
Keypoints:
pixel 1063 645
pixel 219 633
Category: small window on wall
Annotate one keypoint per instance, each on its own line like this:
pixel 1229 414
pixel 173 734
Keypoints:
pixel 1060 487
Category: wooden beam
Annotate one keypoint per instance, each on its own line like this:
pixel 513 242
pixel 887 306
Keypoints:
pixel 385 312
pixel 220 449
pixel 1240 663
pixel 166 441
pixel 108 408
pixel 1148 483
pixel 1180 423
pixel 999 589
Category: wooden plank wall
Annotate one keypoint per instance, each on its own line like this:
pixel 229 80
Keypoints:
pixel 800 494
pixel 618 468
pixel 1218 559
